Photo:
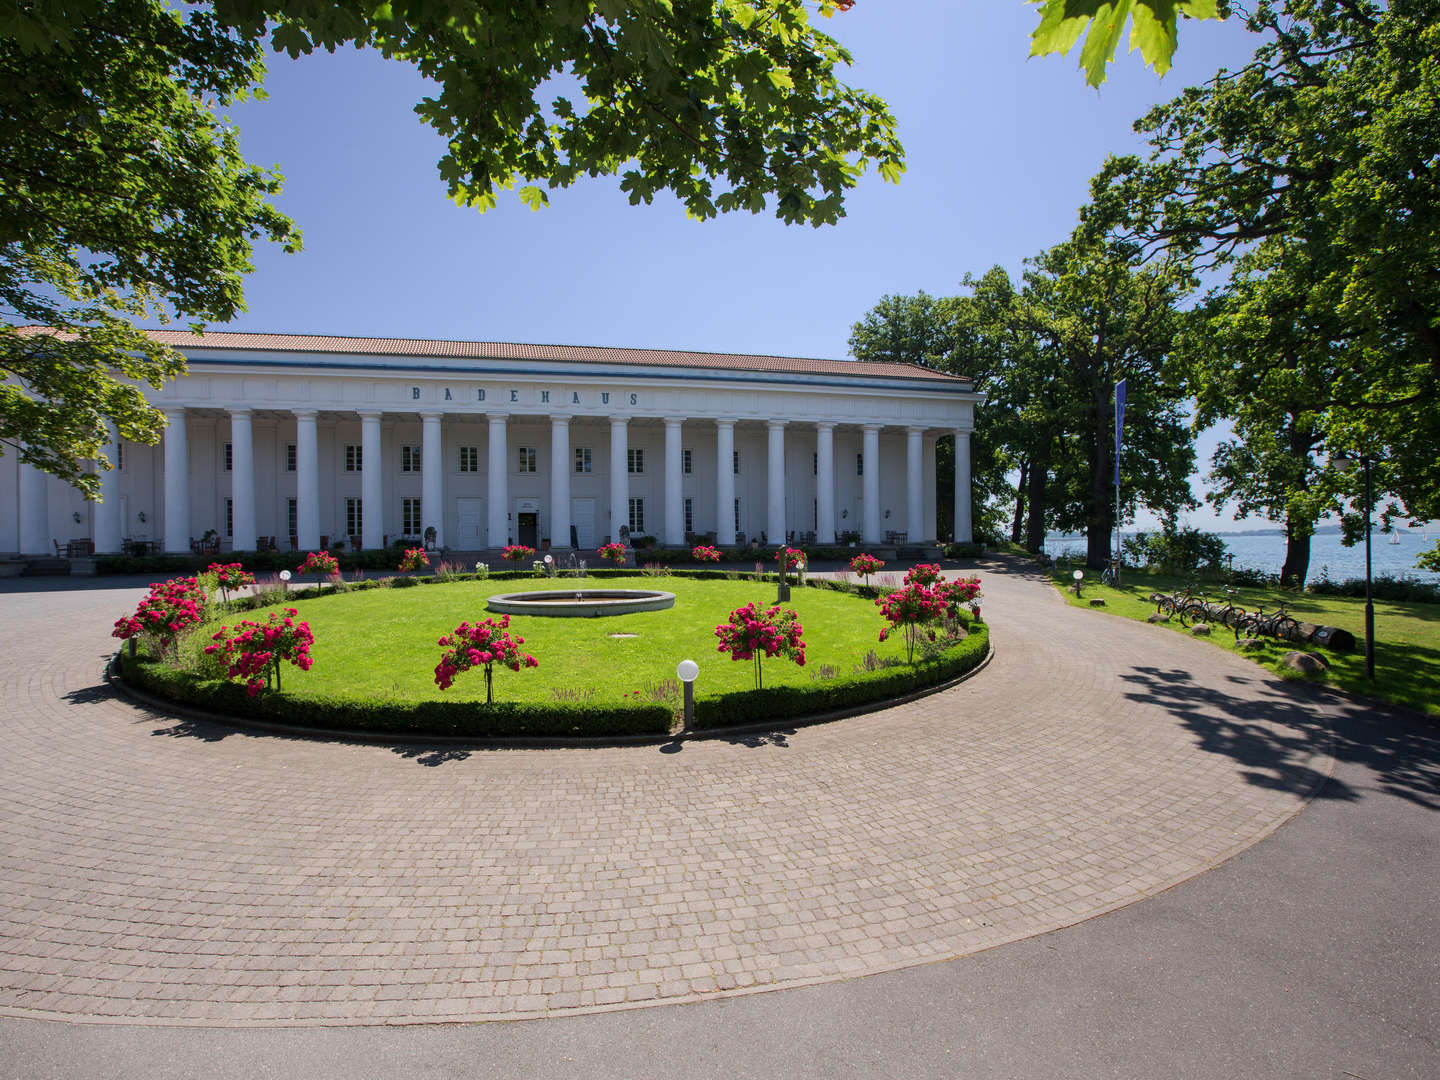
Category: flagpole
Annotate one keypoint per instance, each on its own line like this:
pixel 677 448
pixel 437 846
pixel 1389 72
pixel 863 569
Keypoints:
pixel 1119 438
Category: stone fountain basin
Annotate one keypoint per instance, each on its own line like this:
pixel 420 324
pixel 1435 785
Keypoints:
pixel 581 603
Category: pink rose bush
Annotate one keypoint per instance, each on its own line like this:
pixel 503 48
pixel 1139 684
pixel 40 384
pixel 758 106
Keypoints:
pixel 253 652
pixel 225 577
pixel 752 634
pixel 705 553
pixel 865 565
pixel 484 645
pixel 788 559
pixel 321 564
pixel 959 593
pixel 911 610
pixel 614 552
pixel 516 553
pixel 172 608
pixel 414 559
pixel 926 574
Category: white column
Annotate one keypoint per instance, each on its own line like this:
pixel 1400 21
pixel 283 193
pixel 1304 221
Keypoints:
pixel 915 484
pixel 432 477
pixel 177 483
pixel 824 483
pixel 35 538
pixel 498 490
pixel 560 467
pixel 307 481
pixel 108 530
pixel 964 532
pixel 775 486
pixel 619 477
pixel 242 481
pixel 372 482
pixel 871 527
pixel 725 482
pixel 674 495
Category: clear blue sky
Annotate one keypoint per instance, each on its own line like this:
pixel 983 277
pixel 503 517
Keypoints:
pixel 1000 149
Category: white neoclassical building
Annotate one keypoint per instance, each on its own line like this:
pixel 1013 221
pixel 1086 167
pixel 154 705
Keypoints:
pixel 311 440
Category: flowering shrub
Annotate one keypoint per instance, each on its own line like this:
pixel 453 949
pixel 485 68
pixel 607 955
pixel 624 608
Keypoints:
pixel 414 559
pixel 753 635
pixel 482 570
pixel 961 592
pixel 516 553
pixel 483 645
pixel 319 563
pixel 172 608
pixel 226 576
pixel 910 610
pixel 865 565
pixel 926 574
pixel 614 552
pixel 254 651
pixel 705 553
pixel 790 558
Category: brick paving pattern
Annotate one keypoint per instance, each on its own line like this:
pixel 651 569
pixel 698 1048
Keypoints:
pixel 154 870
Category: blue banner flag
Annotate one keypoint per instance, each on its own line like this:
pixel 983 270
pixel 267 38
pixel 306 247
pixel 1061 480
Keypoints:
pixel 1119 425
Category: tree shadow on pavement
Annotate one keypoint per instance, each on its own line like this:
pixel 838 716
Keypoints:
pixel 1272 729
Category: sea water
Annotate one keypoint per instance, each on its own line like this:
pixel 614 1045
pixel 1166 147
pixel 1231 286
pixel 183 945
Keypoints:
pixel 1265 551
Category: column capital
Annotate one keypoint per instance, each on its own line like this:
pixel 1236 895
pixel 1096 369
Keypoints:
pixel 370 414
pixel 432 415
pixel 561 418
pixel 497 417
pixel 240 411
pixel 775 425
pixel 869 428
pixel 825 425
pixel 617 422
pixel 305 414
pixel 172 410
pixel 675 421
pixel 915 429
pixel 724 422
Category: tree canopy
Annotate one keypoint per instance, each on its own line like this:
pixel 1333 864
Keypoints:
pixel 1326 146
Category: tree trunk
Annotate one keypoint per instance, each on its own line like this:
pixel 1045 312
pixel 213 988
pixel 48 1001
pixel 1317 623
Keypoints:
pixel 1035 524
pixel 1100 513
pixel 1297 557
pixel 1017 527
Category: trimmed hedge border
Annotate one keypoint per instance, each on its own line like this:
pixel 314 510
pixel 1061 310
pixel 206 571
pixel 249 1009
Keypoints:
pixel 553 722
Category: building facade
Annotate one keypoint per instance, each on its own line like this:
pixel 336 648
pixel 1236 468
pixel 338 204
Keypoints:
pixel 314 441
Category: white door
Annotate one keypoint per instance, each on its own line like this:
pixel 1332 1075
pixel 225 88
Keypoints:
pixel 471 515
pixel 582 516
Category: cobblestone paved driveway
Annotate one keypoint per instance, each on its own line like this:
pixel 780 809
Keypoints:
pixel 161 871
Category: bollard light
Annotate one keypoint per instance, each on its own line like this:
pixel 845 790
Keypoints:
pixel 285 580
pixel 688 671
pixel 1079 576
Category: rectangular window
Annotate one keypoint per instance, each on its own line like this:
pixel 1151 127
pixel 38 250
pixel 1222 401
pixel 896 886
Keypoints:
pixel 814 464
pixel 737 515
pixel 470 459
pixel 120 457
pixel 229 517
pixel 582 459
pixel 687 461
pixel 689 515
pixel 737 462
pixel 354 519
pixel 860 464
pixel 229 457
pixel 290 457
pixel 410 459
pixel 527 459
pixel 637 517
pixel 353 458
pixel 635 459
pixel 410 517
pixel 292 517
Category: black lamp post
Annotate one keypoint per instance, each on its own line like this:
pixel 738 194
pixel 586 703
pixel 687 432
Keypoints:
pixel 1345 462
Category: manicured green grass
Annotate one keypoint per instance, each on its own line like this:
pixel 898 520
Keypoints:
pixel 1407 635
pixel 382 643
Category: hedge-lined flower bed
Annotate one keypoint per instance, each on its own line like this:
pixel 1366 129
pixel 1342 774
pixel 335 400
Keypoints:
pixel 371 690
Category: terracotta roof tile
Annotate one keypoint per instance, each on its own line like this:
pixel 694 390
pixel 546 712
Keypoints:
pixel 580 354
